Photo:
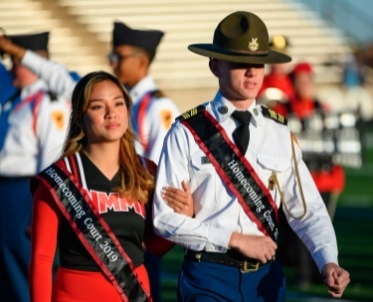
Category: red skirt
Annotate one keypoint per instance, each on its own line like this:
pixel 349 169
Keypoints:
pixel 78 286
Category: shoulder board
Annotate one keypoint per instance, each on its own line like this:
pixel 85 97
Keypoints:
pixel 190 113
pixel 157 94
pixel 269 113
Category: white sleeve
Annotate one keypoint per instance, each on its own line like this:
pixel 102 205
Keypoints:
pixel 186 231
pixel 315 229
pixel 51 130
pixel 160 117
pixel 54 74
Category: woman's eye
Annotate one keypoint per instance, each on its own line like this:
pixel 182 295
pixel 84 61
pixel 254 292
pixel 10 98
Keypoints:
pixel 119 103
pixel 95 107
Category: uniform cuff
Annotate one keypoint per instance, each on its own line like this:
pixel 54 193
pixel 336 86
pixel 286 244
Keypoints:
pixel 31 60
pixel 325 256
pixel 218 240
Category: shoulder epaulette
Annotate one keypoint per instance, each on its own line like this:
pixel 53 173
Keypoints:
pixel 192 112
pixel 158 94
pixel 269 113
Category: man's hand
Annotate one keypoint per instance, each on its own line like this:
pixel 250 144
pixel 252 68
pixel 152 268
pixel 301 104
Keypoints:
pixel 335 278
pixel 181 201
pixel 10 48
pixel 262 248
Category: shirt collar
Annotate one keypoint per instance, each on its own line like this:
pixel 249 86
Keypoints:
pixel 33 88
pixel 223 109
pixel 145 85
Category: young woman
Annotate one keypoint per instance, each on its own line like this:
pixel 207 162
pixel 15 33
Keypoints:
pixel 93 203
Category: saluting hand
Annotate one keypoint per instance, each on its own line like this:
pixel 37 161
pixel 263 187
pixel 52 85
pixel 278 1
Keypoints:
pixel 335 278
pixel 181 201
pixel 10 48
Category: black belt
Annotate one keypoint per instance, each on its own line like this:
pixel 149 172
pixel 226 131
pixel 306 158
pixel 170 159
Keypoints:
pixel 14 178
pixel 230 258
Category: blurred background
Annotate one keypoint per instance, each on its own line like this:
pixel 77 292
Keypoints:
pixel 335 36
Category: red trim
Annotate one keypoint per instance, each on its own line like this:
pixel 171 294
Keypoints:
pixel 105 226
pixel 141 117
pixel 24 102
pixel 74 167
pixel 35 110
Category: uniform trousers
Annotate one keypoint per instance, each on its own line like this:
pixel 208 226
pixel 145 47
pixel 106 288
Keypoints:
pixel 153 267
pixel 15 246
pixel 209 282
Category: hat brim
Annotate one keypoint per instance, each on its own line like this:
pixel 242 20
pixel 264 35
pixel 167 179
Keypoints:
pixel 207 50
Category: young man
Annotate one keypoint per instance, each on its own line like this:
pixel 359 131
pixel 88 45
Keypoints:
pixel 241 162
pixel 153 113
pixel 32 132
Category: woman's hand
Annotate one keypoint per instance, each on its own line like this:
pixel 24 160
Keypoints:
pixel 181 201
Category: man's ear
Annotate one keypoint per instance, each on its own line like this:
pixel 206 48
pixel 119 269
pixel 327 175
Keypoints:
pixel 144 61
pixel 213 64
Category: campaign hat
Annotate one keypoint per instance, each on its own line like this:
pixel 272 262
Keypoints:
pixel 241 37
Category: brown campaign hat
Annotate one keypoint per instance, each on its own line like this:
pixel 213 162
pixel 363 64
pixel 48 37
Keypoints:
pixel 241 37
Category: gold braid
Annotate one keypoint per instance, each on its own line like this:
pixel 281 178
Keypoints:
pixel 274 181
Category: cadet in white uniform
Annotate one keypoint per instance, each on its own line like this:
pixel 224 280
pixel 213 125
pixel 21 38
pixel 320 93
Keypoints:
pixel 34 121
pixel 153 113
pixel 241 162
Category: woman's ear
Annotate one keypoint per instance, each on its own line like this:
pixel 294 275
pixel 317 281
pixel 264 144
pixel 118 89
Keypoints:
pixel 213 64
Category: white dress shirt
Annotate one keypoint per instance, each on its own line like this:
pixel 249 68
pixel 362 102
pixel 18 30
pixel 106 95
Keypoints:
pixel 157 121
pixel 217 211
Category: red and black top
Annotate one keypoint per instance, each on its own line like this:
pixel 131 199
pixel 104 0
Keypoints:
pixel 130 221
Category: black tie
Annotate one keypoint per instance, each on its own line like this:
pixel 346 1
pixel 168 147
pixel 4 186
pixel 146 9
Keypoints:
pixel 241 134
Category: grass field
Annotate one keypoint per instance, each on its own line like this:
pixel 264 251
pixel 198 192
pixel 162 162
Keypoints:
pixel 353 224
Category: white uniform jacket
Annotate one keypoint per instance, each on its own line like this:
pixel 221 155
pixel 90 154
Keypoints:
pixel 217 210
pixel 151 122
pixel 36 132
pixel 37 127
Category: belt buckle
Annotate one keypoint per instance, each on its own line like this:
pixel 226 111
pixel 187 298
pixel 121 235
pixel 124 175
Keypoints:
pixel 249 267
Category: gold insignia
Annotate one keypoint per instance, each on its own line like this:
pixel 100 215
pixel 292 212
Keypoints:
pixel 274 115
pixel 189 113
pixel 58 118
pixel 253 45
pixel 166 118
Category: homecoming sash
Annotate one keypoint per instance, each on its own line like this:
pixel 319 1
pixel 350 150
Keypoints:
pixel 94 233
pixel 234 169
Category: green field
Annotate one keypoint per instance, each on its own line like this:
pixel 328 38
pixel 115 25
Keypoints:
pixel 353 224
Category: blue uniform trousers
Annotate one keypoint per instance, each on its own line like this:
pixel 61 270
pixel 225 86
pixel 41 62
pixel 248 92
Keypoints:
pixel 15 216
pixel 209 282
pixel 153 267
